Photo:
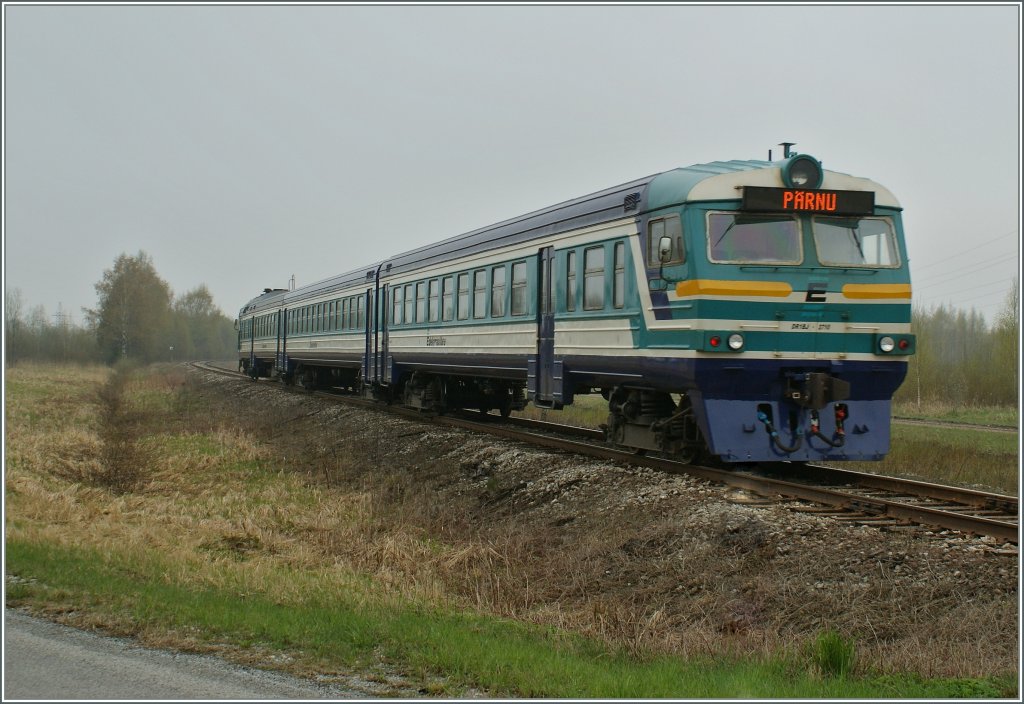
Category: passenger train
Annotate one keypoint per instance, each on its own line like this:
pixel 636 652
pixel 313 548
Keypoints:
pixel 748 311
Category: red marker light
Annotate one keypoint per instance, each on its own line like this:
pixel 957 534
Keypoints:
pixel 904 344
pixel 715 341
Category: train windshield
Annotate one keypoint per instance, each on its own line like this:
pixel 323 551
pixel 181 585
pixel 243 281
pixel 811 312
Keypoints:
pixel 853 241
pixel 735 238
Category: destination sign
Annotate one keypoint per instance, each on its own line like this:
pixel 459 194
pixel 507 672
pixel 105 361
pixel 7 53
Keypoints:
pixel 799 200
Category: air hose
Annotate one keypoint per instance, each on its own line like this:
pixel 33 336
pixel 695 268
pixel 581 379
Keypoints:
pixel 840 432
pixel 763 417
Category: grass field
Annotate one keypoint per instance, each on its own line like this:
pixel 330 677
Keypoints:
pixel 132 507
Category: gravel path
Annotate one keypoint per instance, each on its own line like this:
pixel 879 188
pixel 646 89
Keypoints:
pixel 48 661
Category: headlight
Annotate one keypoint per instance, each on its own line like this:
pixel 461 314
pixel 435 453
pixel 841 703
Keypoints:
pixel 887 344
pixel 735 341
pixel 802 172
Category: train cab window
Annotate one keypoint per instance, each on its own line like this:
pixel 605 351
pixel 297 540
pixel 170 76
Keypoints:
pixel 498 291
pixel 480 293
pixel 854 241
pixel 432 300
pixel 447 298
pixel 570 281
pixel 421 302
pixel 665 227
pixel 462 302
pixel 737 238
pixel 619 278
pixel 410 303
pixel 593 278
pixel 396 305
pixel 520 304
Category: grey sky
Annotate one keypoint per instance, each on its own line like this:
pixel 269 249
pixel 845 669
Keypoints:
pixel 238 145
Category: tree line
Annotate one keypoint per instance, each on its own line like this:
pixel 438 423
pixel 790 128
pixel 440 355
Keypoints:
pixel 960 359
pixel 137 317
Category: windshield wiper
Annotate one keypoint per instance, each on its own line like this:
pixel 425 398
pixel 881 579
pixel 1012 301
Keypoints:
pixel 724 233
pixel 855 233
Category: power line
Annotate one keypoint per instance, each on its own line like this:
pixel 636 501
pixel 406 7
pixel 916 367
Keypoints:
pixel 987 284
pixel 952 278
pixel 974 248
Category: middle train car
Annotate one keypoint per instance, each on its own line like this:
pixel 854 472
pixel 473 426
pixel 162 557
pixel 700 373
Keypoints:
pixel 746 310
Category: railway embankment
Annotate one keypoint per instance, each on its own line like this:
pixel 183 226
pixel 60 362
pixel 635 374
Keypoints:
pixel 287 531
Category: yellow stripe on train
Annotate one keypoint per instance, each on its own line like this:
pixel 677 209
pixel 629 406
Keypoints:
pixel 710 287
pixel 876 291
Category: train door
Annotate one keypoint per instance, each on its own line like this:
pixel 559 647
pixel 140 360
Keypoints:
pixel 376 331
pixel 383 370
pixel 368 334
pixel 380 335
pixel 545 372
pixel 282 341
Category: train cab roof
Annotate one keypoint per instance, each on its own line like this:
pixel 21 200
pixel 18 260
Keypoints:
pixel 724 180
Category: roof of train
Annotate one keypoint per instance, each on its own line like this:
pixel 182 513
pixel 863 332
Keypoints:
pixel 642 195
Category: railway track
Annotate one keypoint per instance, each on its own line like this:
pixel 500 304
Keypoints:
pixel 846 495
pixel 954 424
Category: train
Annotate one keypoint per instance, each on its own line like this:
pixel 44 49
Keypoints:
pixel 742 311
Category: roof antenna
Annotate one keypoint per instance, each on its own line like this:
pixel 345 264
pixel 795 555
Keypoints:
pixel 786 145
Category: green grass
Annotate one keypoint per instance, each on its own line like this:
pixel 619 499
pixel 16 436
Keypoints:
pixel 978 415
pixel 338 622
pixel 951 455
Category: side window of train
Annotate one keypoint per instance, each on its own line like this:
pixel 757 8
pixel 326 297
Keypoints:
pixel 480 293
pixel 396 305
pixel 570 280
pixel 672 228
pixel 410 304
pixel 520 303
pixel 447 298
pixel 498 291
pixel 619 278
pixel 433 296
pixel 593 278
pixel 421 302
pixel 462 302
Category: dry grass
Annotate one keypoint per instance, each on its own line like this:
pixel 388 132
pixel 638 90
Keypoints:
pixel 242 487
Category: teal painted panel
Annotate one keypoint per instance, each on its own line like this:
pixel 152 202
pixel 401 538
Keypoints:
pixel 853 313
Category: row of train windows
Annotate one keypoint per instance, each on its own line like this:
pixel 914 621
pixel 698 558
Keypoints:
pixel 489 292
pixel 342 314
pixel 474 294
pixel 450 297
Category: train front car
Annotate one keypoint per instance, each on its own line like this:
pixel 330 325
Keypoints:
pixel 784 291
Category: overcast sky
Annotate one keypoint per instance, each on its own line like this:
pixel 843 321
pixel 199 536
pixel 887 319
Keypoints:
pixel 238 145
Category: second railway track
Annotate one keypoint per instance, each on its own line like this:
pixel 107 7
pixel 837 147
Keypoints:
pixel 862 497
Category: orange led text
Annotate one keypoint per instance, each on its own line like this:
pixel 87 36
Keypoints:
pixel 808 200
